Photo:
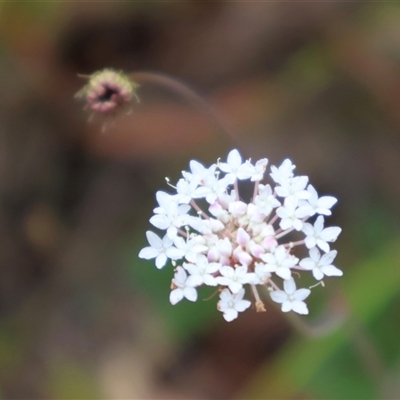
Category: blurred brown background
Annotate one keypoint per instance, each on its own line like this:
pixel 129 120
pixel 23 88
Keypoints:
pixel 81 317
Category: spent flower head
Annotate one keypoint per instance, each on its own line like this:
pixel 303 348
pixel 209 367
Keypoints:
pixel 108 92
pixel 232 244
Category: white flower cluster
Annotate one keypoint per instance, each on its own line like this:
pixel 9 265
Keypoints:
pixel 237 243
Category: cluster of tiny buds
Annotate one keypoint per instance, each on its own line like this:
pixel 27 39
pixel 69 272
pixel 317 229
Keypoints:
pixel 233 244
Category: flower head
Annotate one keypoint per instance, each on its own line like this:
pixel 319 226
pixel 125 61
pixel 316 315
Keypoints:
pixel 231 245
pixel 108 91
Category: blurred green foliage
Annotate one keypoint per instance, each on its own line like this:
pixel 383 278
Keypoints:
pixel 181 320
pixel 332 366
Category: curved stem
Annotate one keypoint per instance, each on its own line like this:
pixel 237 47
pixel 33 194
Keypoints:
pixel 187 93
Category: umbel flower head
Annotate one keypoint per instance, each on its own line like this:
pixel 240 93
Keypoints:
pixel 233 245
pixel 108 91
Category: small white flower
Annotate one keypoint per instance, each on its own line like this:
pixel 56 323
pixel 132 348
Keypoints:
pixel 234 278
pixel 170 215
pixel 199 174
pixel 291 299
pixel 265 200
pixel 318 236
pixel 159 249
pixel 234 167
pixel 259 169
pixel 262 274
pixel 283 173
pixel 181 288
pixel 191 247
pixel 231 304
pixel 321 266
pixel 280 262
pixel 213 188
pixel 320 205
pixel 187 190
pixel 202 272
pixel 291 214
pixel 295 187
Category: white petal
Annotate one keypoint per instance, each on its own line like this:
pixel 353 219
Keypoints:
pixel 299 307
pixel 196 167
pixel 323 245
pixel 319 224
pixel 172 232
pixel 304 211
pixel 331 270
pixel 234 158
pixel 278 296
pixel 313 192
pixel 148 252
pixel 318 275
pixel 235 286
pixel 239 296
pixel 176 296
pixel 242 305
pixel 154 240
pixel 286 306
pixel 289 286
pixel 307 263
pixel 160 221
pixel 330 234
pixel 209 280
pixel 290 202
pixel 183 209
pixel 166 242
pixel 222 306
pixel 163 199
pixel 326 202
pixel 308 229
pixel 268 258
pixel 315 255
pixel 284 273
pixel 225 295
pixel 240 272
pixel 194 280
pixel 285 223
pixel 250 277
pixel 180 275
pixel 213 267
pixel 174 254
pixel 280 253
pixel 161 260
pixel 227 272
pixel 297 224
pixel 190 293
pixel 222 280
pixel 230 315
pixel 327 258
pixel 310 242
pixel 301 294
